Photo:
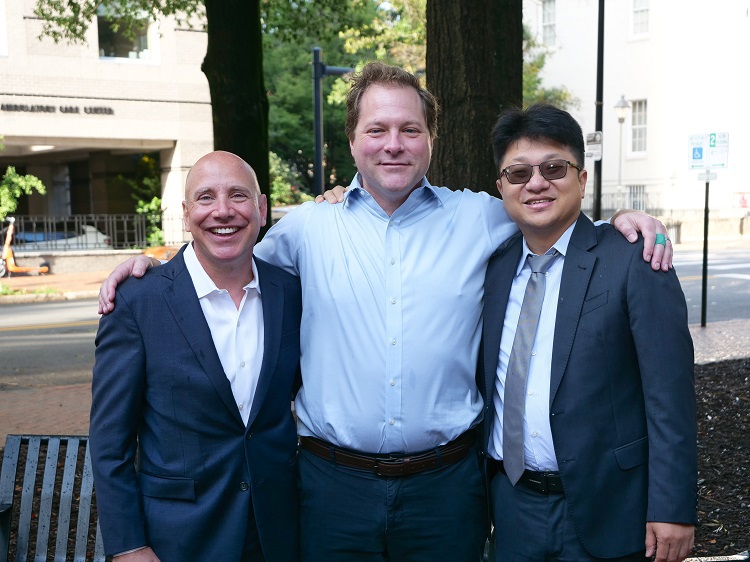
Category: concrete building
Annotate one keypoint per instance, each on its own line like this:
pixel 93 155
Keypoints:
pixel 79 117
pixel 681 67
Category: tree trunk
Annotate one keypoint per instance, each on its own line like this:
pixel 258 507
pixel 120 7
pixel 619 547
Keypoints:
pixel 234 69
pixel 475 68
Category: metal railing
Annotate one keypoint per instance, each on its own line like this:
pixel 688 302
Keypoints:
pixel 81 232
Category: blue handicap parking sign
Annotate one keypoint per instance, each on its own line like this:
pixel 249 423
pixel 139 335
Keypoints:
pixel 698 153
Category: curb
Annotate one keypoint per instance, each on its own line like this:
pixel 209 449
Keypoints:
pixel 48 297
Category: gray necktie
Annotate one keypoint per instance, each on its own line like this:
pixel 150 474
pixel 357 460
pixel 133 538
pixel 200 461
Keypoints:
pixel 514 401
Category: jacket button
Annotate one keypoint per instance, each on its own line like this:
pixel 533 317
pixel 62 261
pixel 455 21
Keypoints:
pixel 244 486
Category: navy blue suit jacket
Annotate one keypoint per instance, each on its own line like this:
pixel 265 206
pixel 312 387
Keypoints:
pixel 174 465
pixel 622 398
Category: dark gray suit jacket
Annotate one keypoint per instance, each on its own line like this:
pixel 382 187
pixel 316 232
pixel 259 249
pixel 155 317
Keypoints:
pixel 622 398
pixel 159 388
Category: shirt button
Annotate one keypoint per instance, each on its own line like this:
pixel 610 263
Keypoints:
pixel 392 421
pixel 393 261
pixel 240 405
pixel 243 486
pixel 393 383
pixel 533 353
pixel 393 301
pixel 393 341
pixel 535 434
pixel 531 393
pixel 242 364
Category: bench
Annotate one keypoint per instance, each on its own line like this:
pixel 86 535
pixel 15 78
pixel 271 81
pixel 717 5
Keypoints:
pixel 54 513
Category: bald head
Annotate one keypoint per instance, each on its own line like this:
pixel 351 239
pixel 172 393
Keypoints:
pixel 219 164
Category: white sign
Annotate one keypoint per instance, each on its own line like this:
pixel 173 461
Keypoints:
pixel 709 151
pixel 594 145
pixel 708 175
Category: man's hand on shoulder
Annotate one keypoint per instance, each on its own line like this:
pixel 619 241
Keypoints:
pixel 135 266
pixel 670 542
pixel 335 195
pixel 630 223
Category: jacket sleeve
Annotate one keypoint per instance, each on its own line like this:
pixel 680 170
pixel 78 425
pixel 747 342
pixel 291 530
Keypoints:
pixel 658 320
pixel 117 396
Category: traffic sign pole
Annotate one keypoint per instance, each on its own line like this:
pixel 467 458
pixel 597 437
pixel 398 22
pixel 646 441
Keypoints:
pixel 704 293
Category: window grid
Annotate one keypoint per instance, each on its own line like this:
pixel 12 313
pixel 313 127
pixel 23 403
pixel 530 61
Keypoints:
pixel 549 35
pixel 640 17
pixel 638 126
pixel 637 197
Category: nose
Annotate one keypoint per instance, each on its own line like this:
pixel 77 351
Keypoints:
pixel 223 207
pixel 537 182
pixel 393 142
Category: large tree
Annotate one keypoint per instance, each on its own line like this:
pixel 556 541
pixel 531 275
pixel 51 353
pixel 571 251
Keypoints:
pixel 234 57
pixel 475 68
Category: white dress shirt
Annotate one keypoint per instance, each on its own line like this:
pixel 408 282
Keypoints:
pixel 237 332
pixel 539 450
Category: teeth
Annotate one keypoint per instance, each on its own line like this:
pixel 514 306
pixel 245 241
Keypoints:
pixel 225 230
pixel 541 201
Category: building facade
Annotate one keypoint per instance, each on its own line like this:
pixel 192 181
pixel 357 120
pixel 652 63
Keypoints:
pixel 80 117
pixel 679 65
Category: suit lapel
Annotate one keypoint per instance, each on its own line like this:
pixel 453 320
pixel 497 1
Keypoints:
pixel 576 275
pixel 498 282
pixel 272 297
pixel 183 302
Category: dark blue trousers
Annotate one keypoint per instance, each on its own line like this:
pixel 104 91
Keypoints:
pixel 535 527
pixel 348 514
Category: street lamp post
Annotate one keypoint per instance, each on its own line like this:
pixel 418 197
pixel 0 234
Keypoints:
pixel 621 109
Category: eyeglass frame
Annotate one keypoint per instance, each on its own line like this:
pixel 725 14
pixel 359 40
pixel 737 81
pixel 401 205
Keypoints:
pixel 505 172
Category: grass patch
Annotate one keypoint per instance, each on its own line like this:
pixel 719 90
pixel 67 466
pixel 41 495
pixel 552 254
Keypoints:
pixel 6 290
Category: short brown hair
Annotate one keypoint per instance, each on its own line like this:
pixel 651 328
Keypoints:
pixel 377 72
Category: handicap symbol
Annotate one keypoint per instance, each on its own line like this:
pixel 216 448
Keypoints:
pixel 698 153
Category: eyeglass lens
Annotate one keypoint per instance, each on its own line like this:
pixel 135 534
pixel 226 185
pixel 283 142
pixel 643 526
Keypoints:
pixel 550 170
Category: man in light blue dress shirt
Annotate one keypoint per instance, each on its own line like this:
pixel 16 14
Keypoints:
pixel 392 284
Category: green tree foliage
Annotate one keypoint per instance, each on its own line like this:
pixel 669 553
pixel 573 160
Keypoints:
pixel 13 185
pixel 285 183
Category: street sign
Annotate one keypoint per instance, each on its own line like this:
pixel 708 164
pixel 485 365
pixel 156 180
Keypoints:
pixel 709 150
pixel 708 175
pixel 594 145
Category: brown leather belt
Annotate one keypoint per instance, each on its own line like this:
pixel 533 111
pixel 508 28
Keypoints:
pixel 542 482
pixel 392 465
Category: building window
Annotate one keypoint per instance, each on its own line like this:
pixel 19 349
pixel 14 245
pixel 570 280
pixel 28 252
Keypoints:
pixel 637 197
pixel 549 36
pixel 640 17
pixel 638 126
pixel 118 44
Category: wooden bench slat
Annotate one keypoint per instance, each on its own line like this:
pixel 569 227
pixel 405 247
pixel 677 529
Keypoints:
pixel 66 496
pixel 45 502
pixel 7 491
pixel 84 508
pixel 27 497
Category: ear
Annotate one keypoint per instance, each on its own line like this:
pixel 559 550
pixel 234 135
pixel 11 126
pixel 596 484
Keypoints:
pixel 499 184
pixel 263 208
pixel 185 217
pixel 582 177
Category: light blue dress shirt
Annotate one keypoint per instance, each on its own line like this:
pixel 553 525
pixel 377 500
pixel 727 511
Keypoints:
pixel 539 450
pixel 392 314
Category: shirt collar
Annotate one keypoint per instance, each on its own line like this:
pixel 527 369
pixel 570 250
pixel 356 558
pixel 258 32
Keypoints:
pixel 561 246
pixel 203 284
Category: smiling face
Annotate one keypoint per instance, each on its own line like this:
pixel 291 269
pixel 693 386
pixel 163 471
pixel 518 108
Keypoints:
pixel 542 209
pixel 224 211
pixel 391 144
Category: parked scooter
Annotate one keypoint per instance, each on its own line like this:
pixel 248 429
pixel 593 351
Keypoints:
pixel 8 261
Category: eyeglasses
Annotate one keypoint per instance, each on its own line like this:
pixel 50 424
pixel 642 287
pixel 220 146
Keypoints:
pixel 550 170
